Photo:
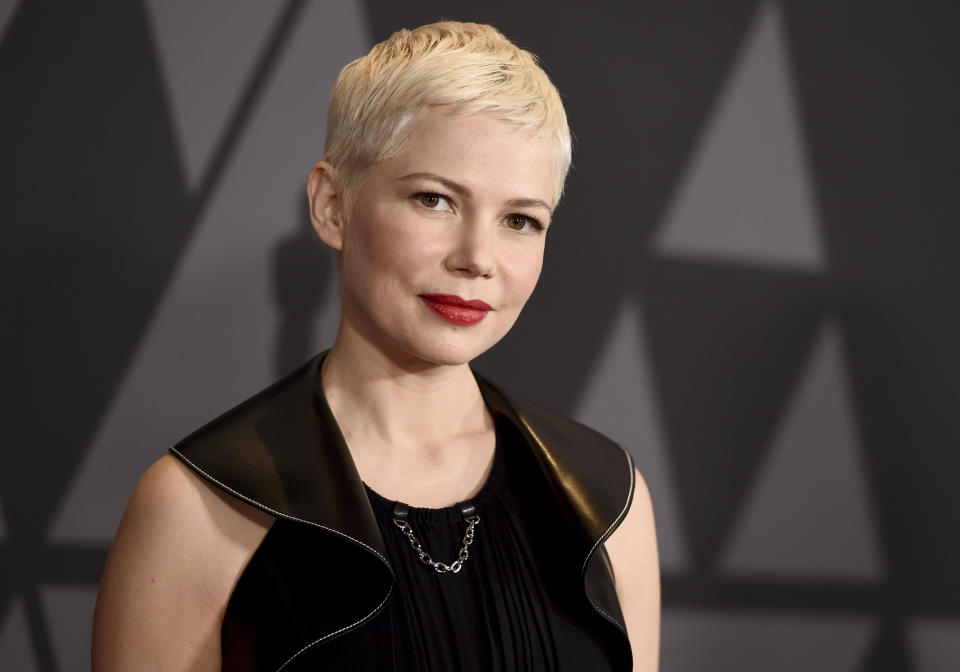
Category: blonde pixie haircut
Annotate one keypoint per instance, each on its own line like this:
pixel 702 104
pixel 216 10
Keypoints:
pixel 378 98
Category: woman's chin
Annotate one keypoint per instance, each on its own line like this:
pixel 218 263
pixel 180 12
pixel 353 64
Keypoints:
pixel 455 349
pixel 431 344
pixel 447 354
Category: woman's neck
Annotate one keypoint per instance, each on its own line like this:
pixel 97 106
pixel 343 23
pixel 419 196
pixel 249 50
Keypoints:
pixel 399 402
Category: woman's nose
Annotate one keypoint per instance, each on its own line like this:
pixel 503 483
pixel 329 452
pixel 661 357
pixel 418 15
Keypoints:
pixel 474 251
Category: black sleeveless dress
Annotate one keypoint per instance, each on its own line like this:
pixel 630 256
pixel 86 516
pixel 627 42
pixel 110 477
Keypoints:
pixel 514 605
pixel 335 585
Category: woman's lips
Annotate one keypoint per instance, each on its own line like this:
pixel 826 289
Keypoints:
pixel 454 309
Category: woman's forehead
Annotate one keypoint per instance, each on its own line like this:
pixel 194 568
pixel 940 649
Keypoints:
pixel 481 151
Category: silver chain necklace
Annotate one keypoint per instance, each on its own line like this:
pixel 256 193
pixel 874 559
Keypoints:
pixel 400 514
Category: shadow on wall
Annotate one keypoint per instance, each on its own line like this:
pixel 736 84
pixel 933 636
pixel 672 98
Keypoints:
pixel 302 283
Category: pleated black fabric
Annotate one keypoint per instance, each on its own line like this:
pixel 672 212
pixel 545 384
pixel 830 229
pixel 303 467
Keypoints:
pixel 515 605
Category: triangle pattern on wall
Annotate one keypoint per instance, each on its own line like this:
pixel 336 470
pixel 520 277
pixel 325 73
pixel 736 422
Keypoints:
pixel 726 343
pixel 8 10
pixel 734 641
pixel 206 52
pixel 746 194
pixel 808 512
pixel 934 644
pixel 236 293
pixel 16 647
pixel 620 400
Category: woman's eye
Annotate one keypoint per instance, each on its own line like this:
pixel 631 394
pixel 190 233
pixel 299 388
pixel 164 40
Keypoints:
pixel 522 222
pixel 433 201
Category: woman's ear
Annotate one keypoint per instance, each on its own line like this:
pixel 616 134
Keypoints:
pixel 326 205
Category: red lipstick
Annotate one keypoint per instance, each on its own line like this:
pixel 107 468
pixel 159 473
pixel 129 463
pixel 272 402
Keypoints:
pixel 454 309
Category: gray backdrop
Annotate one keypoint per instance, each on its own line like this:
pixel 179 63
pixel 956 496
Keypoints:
pixel 750 283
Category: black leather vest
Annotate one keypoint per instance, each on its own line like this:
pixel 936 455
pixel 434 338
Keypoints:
pixel 282 451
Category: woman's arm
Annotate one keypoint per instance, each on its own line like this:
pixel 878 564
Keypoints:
pixel 633 554
pixel 178 553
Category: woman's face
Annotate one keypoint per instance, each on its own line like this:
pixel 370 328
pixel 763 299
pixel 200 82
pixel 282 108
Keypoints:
pixel 459 216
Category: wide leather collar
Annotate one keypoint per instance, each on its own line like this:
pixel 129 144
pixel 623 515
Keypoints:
pixel 282 451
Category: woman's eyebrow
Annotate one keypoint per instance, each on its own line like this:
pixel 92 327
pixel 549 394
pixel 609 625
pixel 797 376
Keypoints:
pixel 464 191
pixel 449 184
pixel 529 203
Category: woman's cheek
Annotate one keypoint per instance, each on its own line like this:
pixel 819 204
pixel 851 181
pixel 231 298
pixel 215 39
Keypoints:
pixel 523 271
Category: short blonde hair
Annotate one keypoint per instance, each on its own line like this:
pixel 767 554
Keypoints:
pixel 378 98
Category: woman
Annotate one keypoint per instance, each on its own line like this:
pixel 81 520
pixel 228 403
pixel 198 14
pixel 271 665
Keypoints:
pixel 381 507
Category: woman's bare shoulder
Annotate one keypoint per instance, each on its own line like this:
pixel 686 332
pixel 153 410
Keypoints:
pixel 171 487
pixel 176 514
pixel 178 553
pixel 633 554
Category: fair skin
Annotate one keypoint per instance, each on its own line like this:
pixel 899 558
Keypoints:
pixel 447 222
pixel 462 210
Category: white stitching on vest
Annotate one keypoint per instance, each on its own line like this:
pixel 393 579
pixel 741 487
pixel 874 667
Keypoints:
pixel 337 632
pixel 616 523
pixel 272 511
pixel 283 515
pixel 626 507
pixel 613 525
